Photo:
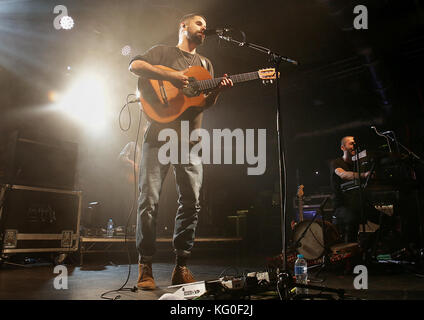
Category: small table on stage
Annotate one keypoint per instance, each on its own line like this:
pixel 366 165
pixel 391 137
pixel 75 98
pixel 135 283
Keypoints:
pixel 95 244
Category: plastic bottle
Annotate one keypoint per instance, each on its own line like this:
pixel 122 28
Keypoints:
pixel 301 273
pixel 110 228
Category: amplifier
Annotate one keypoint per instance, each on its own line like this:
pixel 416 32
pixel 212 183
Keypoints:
pixel 40 163
pixel 39 219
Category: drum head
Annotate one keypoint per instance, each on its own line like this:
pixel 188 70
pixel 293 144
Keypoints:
pixel 311 246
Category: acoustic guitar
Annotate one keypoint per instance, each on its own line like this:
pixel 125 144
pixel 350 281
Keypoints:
pixel 163 102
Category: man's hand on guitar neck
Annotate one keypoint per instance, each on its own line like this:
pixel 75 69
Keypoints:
pixel 225 83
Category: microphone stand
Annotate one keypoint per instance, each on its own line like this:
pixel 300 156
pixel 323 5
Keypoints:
pixel 418 200
pixel 390 135
pixel 358 170
pixel 319 211
pixel 382 135
pixel 285 278
pixel 393 139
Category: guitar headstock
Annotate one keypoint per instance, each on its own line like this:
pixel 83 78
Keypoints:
pixel 300 192
pixel 267 75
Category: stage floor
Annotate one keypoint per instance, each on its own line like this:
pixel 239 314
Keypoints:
pixel 104 273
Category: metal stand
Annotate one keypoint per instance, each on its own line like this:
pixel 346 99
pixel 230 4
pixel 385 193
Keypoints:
pixel 414 159
pixel 322 265
pixel 390 135
pixel 285 280
pixel 296 244
pixel 3 194
pixel 360 186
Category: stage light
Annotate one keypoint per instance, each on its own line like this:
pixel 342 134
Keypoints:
pixel 52 96
pixel 68 68
pixel 316 172
pixel 86 101
pixel 67 22
pixel 126 51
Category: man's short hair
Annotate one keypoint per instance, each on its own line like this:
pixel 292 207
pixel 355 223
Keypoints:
pixel 190 16
pixel 343 141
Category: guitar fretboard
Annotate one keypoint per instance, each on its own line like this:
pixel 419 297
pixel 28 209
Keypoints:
pixel 213 83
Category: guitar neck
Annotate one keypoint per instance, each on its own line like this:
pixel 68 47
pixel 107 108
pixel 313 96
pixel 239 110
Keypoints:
pixel 300 210
pixel 213 83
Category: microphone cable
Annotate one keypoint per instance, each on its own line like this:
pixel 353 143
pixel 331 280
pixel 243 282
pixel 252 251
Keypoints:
pixel 122 288
pixel 129 113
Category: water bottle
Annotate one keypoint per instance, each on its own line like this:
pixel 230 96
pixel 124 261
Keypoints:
pixel 301 273
pixel 110 228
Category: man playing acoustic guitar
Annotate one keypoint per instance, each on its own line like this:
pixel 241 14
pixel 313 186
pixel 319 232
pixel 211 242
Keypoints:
pixel 152 173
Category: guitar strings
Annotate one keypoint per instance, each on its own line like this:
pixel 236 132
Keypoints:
pixel 212 83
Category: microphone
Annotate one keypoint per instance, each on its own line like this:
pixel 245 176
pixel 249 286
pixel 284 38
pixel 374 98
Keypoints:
pixel 215 32
pixel 376 132
pixel 385 135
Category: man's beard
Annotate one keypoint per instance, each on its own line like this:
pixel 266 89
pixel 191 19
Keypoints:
pixel 197 38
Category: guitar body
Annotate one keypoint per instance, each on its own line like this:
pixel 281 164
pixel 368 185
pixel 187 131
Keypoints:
pixel 163 102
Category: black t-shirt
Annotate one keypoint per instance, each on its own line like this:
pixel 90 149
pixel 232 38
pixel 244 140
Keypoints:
pixel 173 57
pixel 340 198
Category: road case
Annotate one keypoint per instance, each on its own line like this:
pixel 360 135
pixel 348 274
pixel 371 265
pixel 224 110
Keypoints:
pixel 34 219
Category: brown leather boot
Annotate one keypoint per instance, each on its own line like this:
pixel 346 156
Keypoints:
pixel 145 277
pixel 181 275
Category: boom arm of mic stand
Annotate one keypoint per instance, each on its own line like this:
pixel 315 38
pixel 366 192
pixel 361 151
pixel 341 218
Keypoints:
pixel 405 148
pixel 384 136
pixel 273 56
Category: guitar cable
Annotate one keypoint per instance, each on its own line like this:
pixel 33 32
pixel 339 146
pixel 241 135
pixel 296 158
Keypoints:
pixel 129 113
pixel 122 288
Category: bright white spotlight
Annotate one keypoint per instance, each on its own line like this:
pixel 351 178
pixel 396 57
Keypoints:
pixel 86 101
pixel 67 22
pixel 126 51
pixel 53 96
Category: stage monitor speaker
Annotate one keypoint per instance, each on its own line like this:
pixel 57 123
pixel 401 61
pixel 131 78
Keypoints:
pixel 39 163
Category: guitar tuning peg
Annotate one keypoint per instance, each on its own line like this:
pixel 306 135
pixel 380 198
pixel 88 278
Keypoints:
pixel 263 82
pixel 271 81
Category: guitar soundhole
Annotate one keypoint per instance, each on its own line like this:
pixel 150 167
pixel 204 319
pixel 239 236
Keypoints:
pixel 193 89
